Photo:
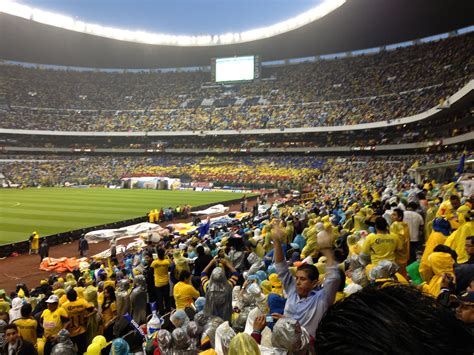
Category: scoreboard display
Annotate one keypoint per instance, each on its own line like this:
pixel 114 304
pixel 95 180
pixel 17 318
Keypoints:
pixel 235 69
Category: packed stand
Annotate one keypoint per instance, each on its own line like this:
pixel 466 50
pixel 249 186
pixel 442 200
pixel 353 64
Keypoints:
pixel 360 89
pixel 278 171
pixel 332 273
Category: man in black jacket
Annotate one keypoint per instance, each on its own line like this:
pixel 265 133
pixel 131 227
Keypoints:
pixel 200 264
pixel 44 250
pixel 83 246
pixel 148 272
pixel 14 344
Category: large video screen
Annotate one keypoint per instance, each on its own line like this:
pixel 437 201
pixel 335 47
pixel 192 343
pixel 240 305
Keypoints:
pixel 235 68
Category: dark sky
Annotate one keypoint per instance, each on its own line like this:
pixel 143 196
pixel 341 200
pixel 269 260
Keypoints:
pixel 178 16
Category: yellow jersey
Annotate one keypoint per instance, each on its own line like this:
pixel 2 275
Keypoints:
pixel 381 247
pixel 161 268
pixel 109 313
pixel 27 329
pixel 184 294
pixel 77 311
pixel 52 322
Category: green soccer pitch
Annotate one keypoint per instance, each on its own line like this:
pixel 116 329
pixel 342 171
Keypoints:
pixel 56 210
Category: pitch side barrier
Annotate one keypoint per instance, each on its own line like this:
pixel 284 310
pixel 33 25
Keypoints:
pixel 68 237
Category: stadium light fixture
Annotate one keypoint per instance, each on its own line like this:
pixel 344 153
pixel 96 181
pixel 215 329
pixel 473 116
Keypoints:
pixel 66 22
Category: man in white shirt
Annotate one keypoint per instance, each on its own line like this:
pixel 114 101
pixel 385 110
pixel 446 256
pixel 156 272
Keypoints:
pixel 415 225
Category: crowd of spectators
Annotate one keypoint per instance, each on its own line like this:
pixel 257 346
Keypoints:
pixel 359 89
pixel 279 171
pixel 334 273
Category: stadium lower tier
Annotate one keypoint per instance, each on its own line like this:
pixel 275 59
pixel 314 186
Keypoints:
pixel 281 171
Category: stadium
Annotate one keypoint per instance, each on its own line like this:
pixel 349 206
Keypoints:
pixel 251 191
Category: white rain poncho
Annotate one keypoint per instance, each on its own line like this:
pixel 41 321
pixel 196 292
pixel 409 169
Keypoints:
pixel 165 341
pixel 201 319
pixel 210 330
pixel 219 295
pixel 15 311
pixel 139 299
pixel 266 333
pixel 256 264
pixel 194 332
pixel 64 344
pixel 181 339
pixel 288 334
pixel 384 270
pixel 179 319
pixel 224 335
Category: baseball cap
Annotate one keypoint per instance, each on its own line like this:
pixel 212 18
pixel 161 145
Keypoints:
pixel 468 297
pixel 52 299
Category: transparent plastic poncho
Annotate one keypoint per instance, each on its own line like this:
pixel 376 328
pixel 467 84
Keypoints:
pixel 288 334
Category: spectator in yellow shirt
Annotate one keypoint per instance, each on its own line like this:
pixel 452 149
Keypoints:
pixel 26 324
pixel 382 245
pixel 109 312
pixel 78 310
pixel 184 293
pixel 53 320
pixel 449 206
pixel 441 232
pixel 448 210
pixel 161 267
pixel 401 230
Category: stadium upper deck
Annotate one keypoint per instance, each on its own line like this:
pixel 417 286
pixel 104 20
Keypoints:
pixel 361 89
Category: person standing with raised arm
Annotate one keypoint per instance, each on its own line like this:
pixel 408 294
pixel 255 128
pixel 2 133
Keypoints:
pixel 307 301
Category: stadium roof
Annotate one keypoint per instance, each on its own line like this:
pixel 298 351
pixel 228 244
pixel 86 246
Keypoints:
pixel 357 24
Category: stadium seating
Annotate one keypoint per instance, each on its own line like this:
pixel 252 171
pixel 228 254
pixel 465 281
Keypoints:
pixel 248 171
pixel 367 88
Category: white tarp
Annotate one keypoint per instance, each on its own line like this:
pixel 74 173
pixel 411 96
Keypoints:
pixel 138 243
pixel 133 231
pixel 211 210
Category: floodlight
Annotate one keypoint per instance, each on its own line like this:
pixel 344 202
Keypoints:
pixel 49 18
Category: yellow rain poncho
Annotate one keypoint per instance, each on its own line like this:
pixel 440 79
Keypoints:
pixel 400 229
pixel 440 263
pixel 243 344
pixel 70 281
pixel 360 218
pixel 353 244
pixel 435 239
pixel 311 224
pixel 267 237
pixel 311 248
pixel 457 240
pixel 430 216
pixel 266 287
pixel 35 241
pixel 275 284
pixel 180 262
pixel 444 209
